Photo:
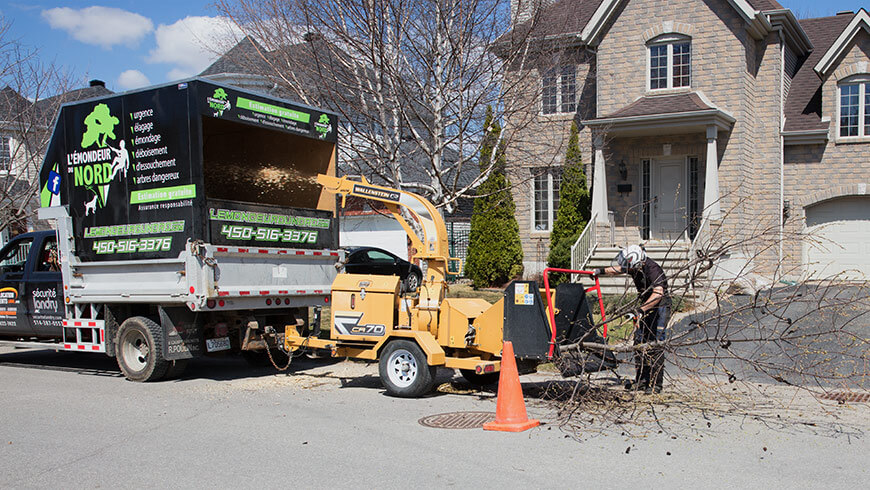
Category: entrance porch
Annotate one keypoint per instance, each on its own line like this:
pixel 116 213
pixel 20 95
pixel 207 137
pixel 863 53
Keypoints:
pixel 651 177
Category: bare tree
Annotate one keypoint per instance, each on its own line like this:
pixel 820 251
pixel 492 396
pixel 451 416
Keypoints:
pixel 412 80
pixel 29 103
pixel 743 333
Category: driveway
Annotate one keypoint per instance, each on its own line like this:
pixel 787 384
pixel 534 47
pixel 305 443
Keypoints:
pixel 808 335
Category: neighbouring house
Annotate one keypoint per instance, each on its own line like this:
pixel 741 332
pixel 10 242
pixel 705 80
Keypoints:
pixel 25 128
pixel 703 118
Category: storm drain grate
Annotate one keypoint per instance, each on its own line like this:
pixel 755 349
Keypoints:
pixel 840 396
pixel 458 420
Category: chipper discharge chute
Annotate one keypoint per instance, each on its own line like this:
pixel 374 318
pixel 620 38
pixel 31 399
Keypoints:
pixel 413 333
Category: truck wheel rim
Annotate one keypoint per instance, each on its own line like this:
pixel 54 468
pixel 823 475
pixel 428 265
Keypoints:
pixel 135 349
pixel 402 368
pixel 413 283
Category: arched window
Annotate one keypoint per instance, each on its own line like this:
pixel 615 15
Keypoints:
pixel 854 112
pixel 669 62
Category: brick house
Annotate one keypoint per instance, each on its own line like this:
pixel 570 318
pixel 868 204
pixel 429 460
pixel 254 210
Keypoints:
pixel 703 117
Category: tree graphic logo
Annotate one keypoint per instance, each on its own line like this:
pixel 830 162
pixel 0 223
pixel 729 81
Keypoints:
pixel 322 126
pixel 101 124
pixel 218 102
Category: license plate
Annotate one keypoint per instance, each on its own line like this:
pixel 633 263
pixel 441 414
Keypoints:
pixel 218 344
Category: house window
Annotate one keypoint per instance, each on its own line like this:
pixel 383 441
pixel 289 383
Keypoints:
pixel 670 62
pixel 559 89
pixel 5 154
pixel 855 109
pixel 645 193
pixel 545 198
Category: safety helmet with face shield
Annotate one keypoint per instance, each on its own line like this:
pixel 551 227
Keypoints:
pixel 630 258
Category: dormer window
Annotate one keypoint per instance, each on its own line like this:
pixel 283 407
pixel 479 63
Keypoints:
pixel 855 107
pixel 670 62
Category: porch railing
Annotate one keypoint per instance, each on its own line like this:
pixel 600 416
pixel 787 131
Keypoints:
pixel 697 267
pixel 584 247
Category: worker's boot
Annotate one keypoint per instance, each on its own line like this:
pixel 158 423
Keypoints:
pixel 640 380
pixel 657 373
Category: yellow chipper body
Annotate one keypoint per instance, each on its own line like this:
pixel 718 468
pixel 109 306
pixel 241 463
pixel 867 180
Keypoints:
pixel 414 333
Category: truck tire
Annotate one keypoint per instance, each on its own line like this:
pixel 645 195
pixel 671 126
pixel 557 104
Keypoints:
pixel 404 371
pixel 482 379
pixel 139 350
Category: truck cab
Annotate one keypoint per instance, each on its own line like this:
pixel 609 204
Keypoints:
pixel 31 287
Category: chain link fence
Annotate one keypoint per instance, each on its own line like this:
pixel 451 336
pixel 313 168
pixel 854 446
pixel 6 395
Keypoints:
pixel 457 238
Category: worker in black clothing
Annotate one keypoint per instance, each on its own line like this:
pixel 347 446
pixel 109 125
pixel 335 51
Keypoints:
pixel 651 317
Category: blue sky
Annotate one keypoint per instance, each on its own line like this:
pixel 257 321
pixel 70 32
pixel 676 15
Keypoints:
pixel 130 44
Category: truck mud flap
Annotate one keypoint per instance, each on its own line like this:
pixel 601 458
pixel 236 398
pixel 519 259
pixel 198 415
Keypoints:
pixel 182 335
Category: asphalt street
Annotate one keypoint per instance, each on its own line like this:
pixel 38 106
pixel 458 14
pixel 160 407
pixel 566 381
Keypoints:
pixel 72 421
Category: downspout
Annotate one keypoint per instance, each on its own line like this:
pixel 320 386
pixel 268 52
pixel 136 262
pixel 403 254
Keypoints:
pixel 782 145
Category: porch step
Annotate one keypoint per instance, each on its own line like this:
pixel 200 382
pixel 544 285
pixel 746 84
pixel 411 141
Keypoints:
pixel 673 259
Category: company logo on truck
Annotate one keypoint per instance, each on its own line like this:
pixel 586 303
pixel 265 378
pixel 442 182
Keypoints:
pixel 50 194
pixel 95 169
pixel 218 102
pixel 322 126
pixel 8 306
pixel 44 300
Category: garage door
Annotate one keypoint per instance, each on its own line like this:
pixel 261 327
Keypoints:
pixel 839 239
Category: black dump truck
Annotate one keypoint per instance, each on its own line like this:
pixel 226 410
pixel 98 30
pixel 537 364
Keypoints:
pixel 188 221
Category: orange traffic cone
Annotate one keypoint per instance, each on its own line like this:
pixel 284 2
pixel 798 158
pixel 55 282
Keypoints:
pixel 510 409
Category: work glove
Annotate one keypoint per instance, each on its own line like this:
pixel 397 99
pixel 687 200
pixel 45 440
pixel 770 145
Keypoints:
pixel 597 272
pixel 635 314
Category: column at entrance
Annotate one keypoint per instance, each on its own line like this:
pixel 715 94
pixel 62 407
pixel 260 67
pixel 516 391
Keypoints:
pixel 712 208
pixel 599 184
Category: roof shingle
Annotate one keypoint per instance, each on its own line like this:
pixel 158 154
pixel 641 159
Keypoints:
pixel 765 5
pixel 662 104
pixel 803 108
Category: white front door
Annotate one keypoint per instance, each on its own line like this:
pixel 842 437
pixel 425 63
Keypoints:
pixel 669 199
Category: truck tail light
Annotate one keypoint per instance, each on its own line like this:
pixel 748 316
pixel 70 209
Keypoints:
pixel 211 303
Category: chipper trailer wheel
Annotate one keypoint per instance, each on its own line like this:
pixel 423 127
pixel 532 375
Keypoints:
pixel 404 371
pixel 139 350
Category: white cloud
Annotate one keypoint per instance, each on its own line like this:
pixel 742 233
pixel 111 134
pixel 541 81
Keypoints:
pixel 192 43
pixel 100 26
pixel 130 79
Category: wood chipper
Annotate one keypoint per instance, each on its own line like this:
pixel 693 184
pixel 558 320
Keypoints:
pixel 411 334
